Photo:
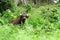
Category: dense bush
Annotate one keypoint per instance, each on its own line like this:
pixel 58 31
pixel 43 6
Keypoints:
pixel 4 4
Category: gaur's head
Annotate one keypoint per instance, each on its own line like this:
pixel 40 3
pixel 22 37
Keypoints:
pixel 24 16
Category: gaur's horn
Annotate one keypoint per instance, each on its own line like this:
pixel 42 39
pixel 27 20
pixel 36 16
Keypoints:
pixel 20 14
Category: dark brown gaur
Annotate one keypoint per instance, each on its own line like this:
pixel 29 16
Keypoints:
pixel 20 19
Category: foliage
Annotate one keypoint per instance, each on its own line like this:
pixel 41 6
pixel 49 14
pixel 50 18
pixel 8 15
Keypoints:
pixel 4 5
pixel 28 8
pixel 43 24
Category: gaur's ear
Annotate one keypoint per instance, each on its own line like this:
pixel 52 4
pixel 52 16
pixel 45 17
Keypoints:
pixel 27 15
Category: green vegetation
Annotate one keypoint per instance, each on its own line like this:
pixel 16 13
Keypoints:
pixel 43 23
